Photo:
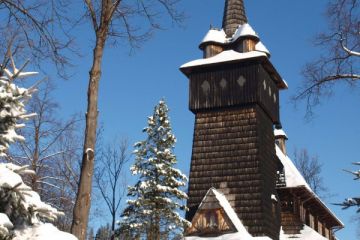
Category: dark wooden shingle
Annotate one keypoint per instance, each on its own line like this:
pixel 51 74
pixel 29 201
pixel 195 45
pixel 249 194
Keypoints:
pixel 234 15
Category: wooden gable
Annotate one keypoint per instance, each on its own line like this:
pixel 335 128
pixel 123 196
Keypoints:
pixel 211 219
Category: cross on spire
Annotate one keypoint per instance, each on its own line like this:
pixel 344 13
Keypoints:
pixel 234 15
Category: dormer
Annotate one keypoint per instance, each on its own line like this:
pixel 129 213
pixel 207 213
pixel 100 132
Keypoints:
pixel 244 39
pixel 213 42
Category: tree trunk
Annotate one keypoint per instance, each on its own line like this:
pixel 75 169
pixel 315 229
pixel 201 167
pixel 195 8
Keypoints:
pixel 83 198
pixel 113 221
pixel 113 211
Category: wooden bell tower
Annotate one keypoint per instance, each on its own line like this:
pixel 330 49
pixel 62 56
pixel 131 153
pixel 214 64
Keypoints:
pixel 234 94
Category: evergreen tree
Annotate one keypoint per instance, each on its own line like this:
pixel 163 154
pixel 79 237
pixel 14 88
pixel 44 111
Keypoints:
pixel 152 212
pixel 12 109
pixel 22 213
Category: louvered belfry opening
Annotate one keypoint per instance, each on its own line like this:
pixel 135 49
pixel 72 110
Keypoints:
pixel 234 15
pixel 236 104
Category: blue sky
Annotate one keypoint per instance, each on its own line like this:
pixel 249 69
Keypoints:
pixel 132 84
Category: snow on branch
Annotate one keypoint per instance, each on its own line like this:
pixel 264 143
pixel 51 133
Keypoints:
pixel 23 211
pixel 158 196
pixel 350 202
pixel 350 52
pixel 12 105
pixel 355 201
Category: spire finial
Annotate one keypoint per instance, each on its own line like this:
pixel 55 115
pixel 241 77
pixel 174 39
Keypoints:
pixel 234 15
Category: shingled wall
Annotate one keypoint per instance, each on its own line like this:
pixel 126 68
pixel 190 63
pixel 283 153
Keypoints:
pixel 236 147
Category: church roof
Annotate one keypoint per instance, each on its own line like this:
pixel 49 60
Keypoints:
pixel 280 133
pixel 231 56
pixel 230 236
pixel 305 234
pixel 219 36
pixel 215 199
pixel 214 36
pixel 223 57
pixel 261 48
pixel 293 177
pixel 244 30
pixel 234 15
pixel 295 181
pixel 234 26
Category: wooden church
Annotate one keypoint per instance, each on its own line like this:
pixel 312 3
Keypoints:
pixel 242 184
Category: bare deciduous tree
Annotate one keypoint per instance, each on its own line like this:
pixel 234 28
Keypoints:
pixel 111 19
pixel 49 149
pixel 340 61
pixel 43 26
pixel 310 168
pixel 109 178
pixel 41 30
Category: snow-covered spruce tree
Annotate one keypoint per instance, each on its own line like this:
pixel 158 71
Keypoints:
pixel 21 211
pixel 156 197
pixel 12 110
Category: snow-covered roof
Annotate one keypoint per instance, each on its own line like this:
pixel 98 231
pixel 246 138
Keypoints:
pixel 230 212
pixel 225 56
pixel 241 234
pixel 285 83
pixel 293 177
pixel 280 133
pixel 230 236
pixel 215 35
pixel 244 30
pixel 219 36
pixel 261 48
pixel 305 234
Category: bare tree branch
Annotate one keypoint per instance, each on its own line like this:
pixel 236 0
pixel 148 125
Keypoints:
pixel 310 169
pixel 33 23
pixel 340 62
pixel 47 150
pixel 92 13
pixel 112 162
pixel 350 52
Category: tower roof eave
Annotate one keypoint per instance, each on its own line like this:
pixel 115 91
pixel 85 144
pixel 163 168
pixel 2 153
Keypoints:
pixel 230 57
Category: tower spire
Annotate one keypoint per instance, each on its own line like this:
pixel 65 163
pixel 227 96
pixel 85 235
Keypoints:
pixel 234 15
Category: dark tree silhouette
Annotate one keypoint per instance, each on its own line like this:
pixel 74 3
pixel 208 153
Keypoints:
pixel 310 168
pixel 340 59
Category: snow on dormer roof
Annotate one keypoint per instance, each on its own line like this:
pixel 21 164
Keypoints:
pixel 215 36
pixel 280 133
pixel 244 30
pixel 261 48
